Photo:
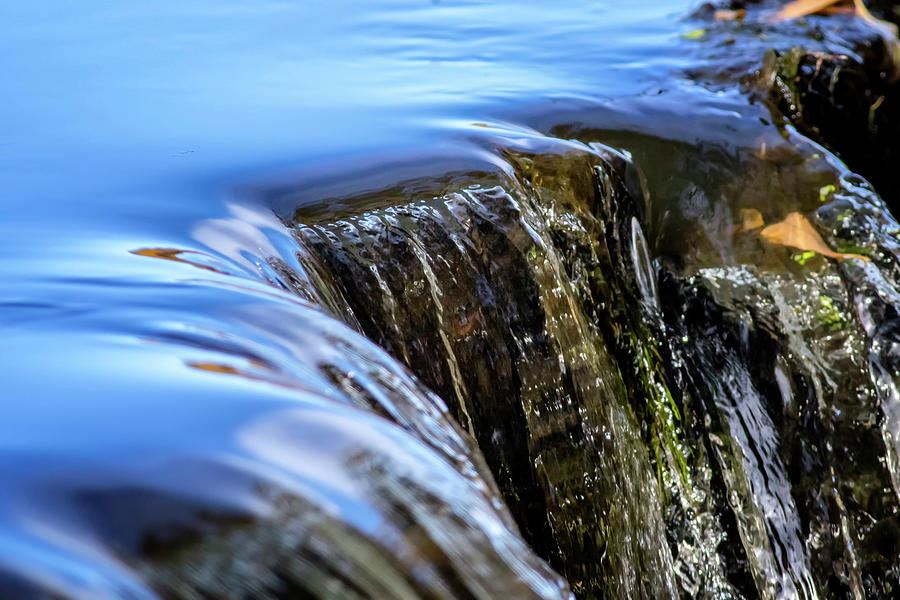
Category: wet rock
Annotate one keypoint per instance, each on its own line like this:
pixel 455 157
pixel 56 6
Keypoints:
pixel 794 424
pixel 785 357
pixel 490 294
pixel 850 104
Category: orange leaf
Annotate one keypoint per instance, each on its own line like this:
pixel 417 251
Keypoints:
pixel 797 232
pixel 801 8
pixel 730 15
pixel 174 254
pixel 751 219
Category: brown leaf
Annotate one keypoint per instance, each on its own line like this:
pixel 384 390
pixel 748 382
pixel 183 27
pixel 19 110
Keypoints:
pixel 174 255
pixel 797 232
pixel 751 219
pixel 730 15
pixel 801 8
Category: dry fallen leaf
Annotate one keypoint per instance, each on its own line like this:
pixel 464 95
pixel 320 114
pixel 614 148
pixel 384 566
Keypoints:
pixel 801 8
pixel 797 232
pixel 730 15
pixel 174 255
pixel 751 219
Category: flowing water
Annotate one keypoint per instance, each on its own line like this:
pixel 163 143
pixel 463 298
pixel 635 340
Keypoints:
pixel 442 299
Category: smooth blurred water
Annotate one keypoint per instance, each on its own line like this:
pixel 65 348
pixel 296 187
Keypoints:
pixel 123 125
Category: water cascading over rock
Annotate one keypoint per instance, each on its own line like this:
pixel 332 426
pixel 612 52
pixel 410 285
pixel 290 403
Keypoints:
pixel 738 403
pixel 515 298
